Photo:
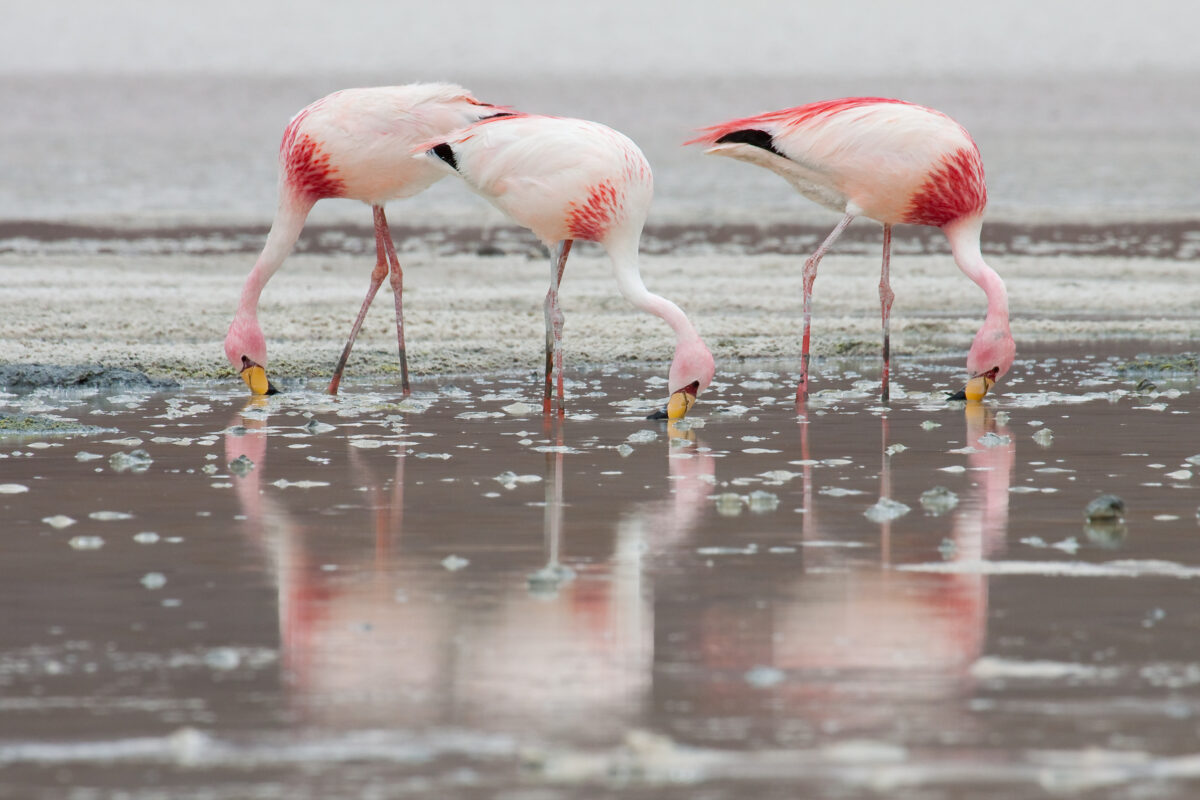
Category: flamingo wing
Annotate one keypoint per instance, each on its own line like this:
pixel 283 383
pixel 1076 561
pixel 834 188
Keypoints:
pixel 886 159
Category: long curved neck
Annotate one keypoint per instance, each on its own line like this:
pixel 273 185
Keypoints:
pixel 285 230
pixel 964 244
pixel 629 279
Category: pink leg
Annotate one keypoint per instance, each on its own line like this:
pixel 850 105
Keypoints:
pixel 810 277
pixel 554 326
pixel 885 305
pixel 397 292
pixel 377 276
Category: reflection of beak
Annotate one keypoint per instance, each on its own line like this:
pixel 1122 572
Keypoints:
pixel 977 387
pixel 256 378
pixel 674 432
pixel 679 405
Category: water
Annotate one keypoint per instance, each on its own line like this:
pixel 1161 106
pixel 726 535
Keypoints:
pixel 171 150
pixel 459 602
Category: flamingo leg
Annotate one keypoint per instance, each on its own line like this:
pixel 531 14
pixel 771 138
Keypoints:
pixel 886 296
pixel 554 326
pixel 397 293
pixel 810 277
pixel 377 276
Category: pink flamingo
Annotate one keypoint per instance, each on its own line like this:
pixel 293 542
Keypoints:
pixel 568 179
pixel 893 162
pixel 356 144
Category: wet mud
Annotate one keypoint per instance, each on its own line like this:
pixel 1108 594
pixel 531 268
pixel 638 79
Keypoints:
pixel 451 596
pixel 22 378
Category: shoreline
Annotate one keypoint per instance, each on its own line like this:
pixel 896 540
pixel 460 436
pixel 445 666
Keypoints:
pixel 1172 238
pixel 167 315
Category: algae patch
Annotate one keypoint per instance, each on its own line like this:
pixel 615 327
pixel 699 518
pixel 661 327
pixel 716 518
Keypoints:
pixel 41 425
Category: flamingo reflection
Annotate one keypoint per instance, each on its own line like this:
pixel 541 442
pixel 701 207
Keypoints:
pixel 844 644
pixel 527 640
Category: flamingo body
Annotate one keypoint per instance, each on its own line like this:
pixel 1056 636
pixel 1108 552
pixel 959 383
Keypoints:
pixel 891 161
pixel 560 178
pixel 354 144
pixel 567 179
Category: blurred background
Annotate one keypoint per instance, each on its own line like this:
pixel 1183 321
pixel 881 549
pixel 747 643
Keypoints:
pixel 170 114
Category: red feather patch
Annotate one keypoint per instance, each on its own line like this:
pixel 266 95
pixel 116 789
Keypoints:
pixel 308 170
pixel 590 221
pixel 954 190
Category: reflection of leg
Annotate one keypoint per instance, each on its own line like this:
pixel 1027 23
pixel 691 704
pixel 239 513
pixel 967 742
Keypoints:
pixel 547 580
pixel 885 490
pixel 810 277
pixel 554 326
pixel 885 305
pixel 397 294
pixel 377 276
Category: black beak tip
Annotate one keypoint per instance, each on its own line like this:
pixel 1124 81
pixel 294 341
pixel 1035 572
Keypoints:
pixel 659 414
pixel 961 394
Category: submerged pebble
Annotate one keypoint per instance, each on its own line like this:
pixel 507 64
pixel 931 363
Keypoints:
pixel 1105 507
pixel 13 488
pixel 518 409
pixel 241 465
pixel 59 521
pixel 509 480
pixel 223 658
pixel 729 504
pixel 86 542
pixel 938 500
pixel 763 677
pixel 886 510
pixel 1043 437
pixel 993 439
pixel 761 502
pixel 454 563
pixel 838 491
pixel 135 461
pixel 154 580
pixel 109 516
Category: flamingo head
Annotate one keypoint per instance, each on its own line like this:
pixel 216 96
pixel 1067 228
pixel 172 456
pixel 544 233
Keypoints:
pixel 246 349
pixel 991 356
pixel 691 372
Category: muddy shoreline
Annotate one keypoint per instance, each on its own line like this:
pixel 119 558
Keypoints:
pixel 1171 239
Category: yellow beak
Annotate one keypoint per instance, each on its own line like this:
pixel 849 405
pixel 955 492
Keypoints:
pixel 256 378
pixel 680 404
pixel 977 388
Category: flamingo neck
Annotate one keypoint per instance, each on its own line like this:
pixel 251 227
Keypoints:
pixel 629 281
pixel 964 244
pixel 285 230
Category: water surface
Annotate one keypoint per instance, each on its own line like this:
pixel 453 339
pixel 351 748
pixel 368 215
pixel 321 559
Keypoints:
pixel 453 597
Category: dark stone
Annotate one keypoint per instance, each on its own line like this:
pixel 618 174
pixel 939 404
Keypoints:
pixel 1105 507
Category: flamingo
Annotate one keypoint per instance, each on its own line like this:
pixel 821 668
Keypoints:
pixel 355 144
pixel 567 179
pixel 893 162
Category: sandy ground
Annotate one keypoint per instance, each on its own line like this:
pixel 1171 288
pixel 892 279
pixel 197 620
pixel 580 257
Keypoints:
pixel 167 315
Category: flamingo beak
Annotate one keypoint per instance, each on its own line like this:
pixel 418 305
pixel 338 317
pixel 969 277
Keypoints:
pixel 977 387
pixel 679 404
pixel 256 378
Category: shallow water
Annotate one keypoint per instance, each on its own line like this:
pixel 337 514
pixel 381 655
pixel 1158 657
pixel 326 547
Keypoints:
pixel 451 597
